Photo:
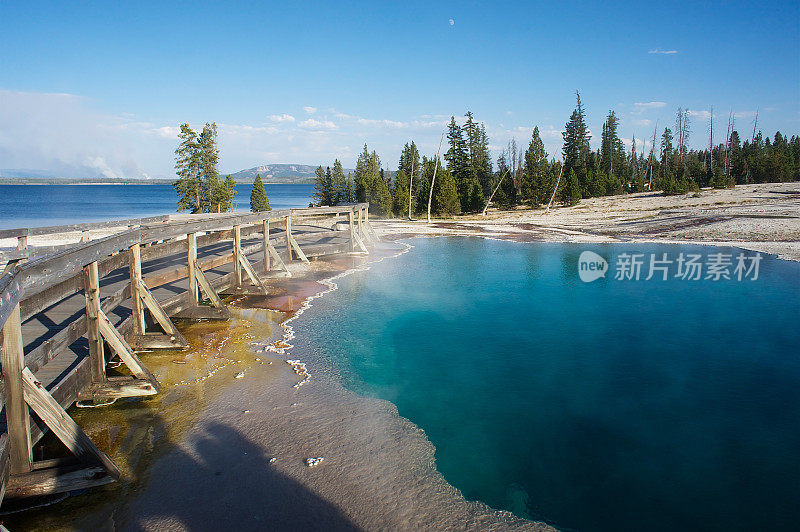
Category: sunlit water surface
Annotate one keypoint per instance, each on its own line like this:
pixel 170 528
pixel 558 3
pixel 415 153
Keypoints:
pixel 614 405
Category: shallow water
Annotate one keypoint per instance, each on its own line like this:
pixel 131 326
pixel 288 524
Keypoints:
pixel 612 405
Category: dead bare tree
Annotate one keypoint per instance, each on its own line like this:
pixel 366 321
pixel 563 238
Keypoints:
pixel 650 157
pixel 682 129
pixel 411 185
pixel 728 144
pixel 433 180
pixel 486 207
pixel 755 126
pixel 711 141
pixel 556 187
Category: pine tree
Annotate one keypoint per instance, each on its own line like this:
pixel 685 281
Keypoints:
pixel 409 162
pixel 611 147
pixel 210 186
pixel 571 193
pixel 536 172
pixel 457 157
pixel 187 167
pixel 339 183
pixel 361 176
pixel 258 196
pixel 400 194
pixel 445 201
pixel 480 162
pixel 576 144
pixel 323 187
pixel 349 192
pixel 226 194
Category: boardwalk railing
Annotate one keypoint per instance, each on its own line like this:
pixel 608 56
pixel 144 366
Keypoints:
pixel 187 259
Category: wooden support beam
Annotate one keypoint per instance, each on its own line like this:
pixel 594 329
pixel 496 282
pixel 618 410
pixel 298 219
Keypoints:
pixel 63 426
pixel 126 387
pixel 267 245
pixel 5 465
pixel 172 332
pixel 57 480
pixel 277 259
pixel 124 351
pixel 194 295
pixel 245 264
pixel 297 250
pixel 289 236
pixel 369 226
pixel 135 268
pixel 91 283
pixel 360 244
pixel 17 416
pixel 237 254
pixel 206 287
pixel 361 225
pixel 352 231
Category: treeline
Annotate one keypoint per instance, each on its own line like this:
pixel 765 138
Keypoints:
pixel 199 187
pixel 532 177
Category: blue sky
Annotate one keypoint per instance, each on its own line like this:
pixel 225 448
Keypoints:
pixel 103 86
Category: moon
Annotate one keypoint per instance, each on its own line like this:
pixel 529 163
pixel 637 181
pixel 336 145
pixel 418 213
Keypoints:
pixel 452 22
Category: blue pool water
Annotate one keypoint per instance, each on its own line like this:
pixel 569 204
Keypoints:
pixel 45 205
pixel 612 405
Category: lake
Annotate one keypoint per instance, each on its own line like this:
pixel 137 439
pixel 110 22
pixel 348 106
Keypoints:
pixel 612 405
pixel 44 205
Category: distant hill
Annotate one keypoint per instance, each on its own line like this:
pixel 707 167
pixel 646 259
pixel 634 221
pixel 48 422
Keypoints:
pixel 279 173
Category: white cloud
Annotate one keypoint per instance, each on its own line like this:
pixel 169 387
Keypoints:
pixel 641 122
pixel 452 22
pixel 310 110
pixel 705 115
pixel 641 107
pixel 281 118
pixel 167 132
pixel 662 52
pixel 312 123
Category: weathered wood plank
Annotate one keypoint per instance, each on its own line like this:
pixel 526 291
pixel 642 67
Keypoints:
pixel 96 350
pixel 135 274
pixel 63 426
pixel 237 254
pixel 124 351
pixel 194 295
pixel 17 417
pixel 159 315
pixel 117 389
pixel 5 464
pixel 57 480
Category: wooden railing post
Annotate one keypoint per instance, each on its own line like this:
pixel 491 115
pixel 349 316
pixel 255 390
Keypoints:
pixel 289 235
pixel 135 268
pixel 17 417
pixel 237 253
pixel 194 296
pixel 267 265
pixel 352 231
pixel 22 243
pixel 91 289
pixel 361 223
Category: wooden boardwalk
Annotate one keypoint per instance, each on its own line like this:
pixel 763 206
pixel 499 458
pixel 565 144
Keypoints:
pixel 66 312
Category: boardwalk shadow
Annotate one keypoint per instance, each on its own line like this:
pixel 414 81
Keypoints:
pixel 224 482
